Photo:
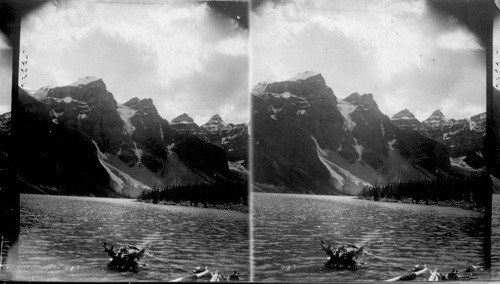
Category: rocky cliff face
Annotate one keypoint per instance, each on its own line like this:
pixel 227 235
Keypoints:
pixel 463 137
pixel 233 138
pixel 107 148
pixel 309 140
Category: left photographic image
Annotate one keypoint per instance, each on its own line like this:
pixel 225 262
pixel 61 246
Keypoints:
pixel 132 141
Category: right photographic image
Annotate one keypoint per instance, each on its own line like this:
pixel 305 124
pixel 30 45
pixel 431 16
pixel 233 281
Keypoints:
pixel 368 141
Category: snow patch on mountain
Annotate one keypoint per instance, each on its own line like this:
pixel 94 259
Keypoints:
pixel 215 124
pixel 138 152
pixel 237 166
pixel 391 144
pixel 259 88
pixel 303 76
pixel 328 164
pixel 479 154
pixel 55 115
pixel 346 109
pixel 359 148
pixel 354 179
pixel 84 81
pixel 117 182
pixel 126 114
pixel 459 162
pixel 170 147
pixel 472 125
pixel 274 111
pixel 120 180
pixel 41 93
pixel 183 122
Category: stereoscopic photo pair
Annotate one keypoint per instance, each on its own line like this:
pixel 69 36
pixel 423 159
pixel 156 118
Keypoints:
pixel 276 141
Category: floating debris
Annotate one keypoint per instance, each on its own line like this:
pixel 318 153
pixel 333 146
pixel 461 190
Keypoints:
pixel 125 258
pixel 344 256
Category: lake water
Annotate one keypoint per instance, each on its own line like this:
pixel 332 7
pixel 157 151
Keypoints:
pixel 495 237
pixel 287 230
pixel 61 239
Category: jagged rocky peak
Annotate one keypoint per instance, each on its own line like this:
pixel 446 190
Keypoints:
pixel 183 119
pixel 185 125
pixel 479 117
pixel 136 103
pixel 88 89
pixel 436 115
pixel 365 100
pixel 216 124
pixel 437 119
pixel 404 114
pixel 478 123
pixel 308 85
pixel 259 88
pixel 216 120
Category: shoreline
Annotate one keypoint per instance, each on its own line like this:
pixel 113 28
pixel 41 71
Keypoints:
pixel 452 204
pixel 228 207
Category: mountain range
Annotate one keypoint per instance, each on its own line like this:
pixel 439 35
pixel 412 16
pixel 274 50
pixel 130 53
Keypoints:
pixel 463 137
pixel 77 139
pixel 309 141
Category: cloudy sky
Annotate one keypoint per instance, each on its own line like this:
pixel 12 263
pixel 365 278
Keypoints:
pixel 5 75
pixel 403 52
pixel 188 57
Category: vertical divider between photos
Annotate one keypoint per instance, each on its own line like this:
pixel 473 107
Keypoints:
pixel 489 140
pixel 10 21
pixel 250 144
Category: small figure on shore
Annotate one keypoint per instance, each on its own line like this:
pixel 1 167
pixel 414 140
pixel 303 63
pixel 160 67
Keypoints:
pixel 343 256
pixel 125 258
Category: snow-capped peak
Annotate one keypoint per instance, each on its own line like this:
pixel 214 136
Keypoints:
pixel 404 114
pixel 84 81
pixel 437 114
pixel 215 123
pixel 216 119
pixel 303 76
pixel 41 93
pixel 259 88
pixel 437 119
pixel 183 118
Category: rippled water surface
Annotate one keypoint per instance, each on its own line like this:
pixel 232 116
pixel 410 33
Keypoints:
pixel 287 230
pixel 61 238
pixel 495 236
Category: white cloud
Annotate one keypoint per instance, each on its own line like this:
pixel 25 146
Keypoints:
pixel 234 46
pixel 459 39
pixel 389 48
pixel 163 51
